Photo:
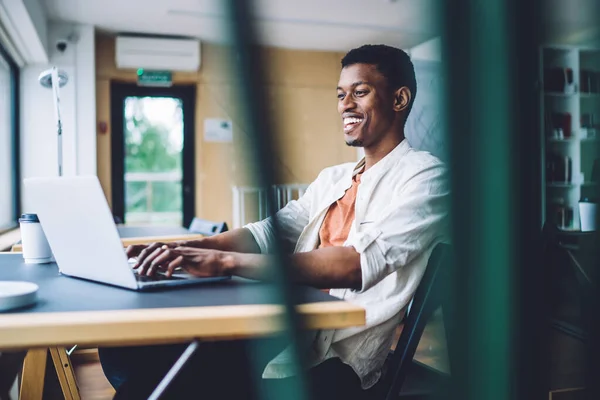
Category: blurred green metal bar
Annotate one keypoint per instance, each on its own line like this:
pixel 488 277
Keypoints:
pixel 477 52
pixel 249 72
pixel 499 330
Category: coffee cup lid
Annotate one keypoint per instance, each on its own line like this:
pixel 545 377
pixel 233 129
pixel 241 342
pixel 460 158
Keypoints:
pixel 29 218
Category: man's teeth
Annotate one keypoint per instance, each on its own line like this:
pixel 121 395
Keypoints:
pixel 352 120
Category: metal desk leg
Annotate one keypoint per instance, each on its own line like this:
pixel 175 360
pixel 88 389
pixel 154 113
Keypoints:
pixel 179 364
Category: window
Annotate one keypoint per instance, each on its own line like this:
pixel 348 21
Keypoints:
pixel 9 125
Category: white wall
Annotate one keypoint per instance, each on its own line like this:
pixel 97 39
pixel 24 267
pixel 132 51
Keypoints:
pixel 38 19
pixel 25 27
pixel 39 152
pixel 430 50
pixel 85 95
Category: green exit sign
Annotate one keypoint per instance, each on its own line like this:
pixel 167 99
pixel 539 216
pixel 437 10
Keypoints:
pixel 154 78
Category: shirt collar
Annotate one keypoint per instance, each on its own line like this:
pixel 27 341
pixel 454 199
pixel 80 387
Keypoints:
pixel 383 165
pixel 358 167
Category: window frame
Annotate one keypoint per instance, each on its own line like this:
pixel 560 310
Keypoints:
pixel 15 130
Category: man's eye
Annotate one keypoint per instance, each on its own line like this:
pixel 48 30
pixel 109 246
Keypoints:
pixel 341 96
pixel 360 93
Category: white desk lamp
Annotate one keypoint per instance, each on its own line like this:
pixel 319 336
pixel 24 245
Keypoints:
pixel 55 79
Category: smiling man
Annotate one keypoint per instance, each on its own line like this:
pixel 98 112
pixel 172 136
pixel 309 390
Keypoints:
pixel 365 230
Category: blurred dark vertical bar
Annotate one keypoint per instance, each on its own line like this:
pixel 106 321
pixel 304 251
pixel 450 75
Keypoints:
pixel 593 310
pixel 249 73
pixel 592 381
pixel 593 351
pixel 531 278
pixel 490 54
pixel 592 313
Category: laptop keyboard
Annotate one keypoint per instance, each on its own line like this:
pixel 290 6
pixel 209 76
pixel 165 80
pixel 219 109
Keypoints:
pixel 155 278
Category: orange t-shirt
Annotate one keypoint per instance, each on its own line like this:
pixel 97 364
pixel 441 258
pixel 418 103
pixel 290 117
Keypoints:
pixel 339 218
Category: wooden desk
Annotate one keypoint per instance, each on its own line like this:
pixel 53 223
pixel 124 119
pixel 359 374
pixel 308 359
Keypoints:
pixel 72 311
pixel 131 235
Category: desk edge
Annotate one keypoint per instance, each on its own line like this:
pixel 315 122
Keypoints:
pixel 146 326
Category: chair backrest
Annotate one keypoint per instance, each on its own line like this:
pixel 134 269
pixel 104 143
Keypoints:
pixel 427 299
pixel 207 228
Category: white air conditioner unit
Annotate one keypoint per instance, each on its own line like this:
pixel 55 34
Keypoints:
pixel 158 53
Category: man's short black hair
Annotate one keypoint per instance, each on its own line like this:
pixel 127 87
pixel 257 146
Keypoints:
pixel 394 64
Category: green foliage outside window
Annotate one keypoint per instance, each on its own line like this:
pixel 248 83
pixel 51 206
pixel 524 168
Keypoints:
pixel 153 146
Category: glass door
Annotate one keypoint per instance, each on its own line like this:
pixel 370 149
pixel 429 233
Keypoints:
pixel 153 159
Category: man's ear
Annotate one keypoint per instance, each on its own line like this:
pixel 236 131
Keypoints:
pixel 402 98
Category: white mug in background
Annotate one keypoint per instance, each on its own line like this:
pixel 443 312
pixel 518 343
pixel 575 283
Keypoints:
pixel 587 215
pixel 36 249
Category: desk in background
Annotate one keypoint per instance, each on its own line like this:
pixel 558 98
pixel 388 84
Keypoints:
pixel 132 231
pixel 145 234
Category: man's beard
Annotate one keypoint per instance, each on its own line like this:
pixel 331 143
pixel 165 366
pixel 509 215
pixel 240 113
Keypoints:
pixel 355 143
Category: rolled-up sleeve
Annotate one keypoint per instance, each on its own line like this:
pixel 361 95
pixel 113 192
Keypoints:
pixel 416 217
pixel 291 221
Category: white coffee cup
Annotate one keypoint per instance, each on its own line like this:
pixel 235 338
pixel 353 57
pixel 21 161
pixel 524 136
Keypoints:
pixel 36 249
pixel 587 215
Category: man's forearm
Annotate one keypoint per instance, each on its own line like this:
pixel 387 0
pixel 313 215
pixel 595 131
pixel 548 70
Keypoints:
pixel 238 240
pixel 333 267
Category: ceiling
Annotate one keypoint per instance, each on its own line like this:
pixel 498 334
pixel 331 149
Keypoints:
pixel 571 22
pixel 308 24
pixel 311 24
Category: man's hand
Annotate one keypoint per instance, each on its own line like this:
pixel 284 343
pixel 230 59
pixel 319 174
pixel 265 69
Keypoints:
pixel 198 262
pixel 236 253
pixel 147 251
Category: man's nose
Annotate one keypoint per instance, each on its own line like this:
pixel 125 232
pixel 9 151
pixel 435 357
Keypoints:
pixel 346 104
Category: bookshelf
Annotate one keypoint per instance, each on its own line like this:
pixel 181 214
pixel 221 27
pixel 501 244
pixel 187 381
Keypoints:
pixel 570 113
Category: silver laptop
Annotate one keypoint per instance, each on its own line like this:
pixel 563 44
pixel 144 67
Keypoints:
pixel 83 237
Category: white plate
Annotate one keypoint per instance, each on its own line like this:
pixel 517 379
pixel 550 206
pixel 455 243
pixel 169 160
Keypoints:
pixel 15 294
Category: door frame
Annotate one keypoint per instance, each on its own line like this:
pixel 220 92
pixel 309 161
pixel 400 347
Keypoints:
pixel 187 93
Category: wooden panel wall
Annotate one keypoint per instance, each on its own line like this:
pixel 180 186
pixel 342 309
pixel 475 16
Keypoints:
pixel 301 89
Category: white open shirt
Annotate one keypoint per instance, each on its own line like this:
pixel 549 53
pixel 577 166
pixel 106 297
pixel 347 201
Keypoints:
pixel 401 213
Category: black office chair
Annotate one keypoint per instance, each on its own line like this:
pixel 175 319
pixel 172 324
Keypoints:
pixel 428 298
pixel 207 228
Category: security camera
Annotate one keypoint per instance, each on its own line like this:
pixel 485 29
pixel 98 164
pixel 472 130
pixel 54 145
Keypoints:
pixel 61 45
